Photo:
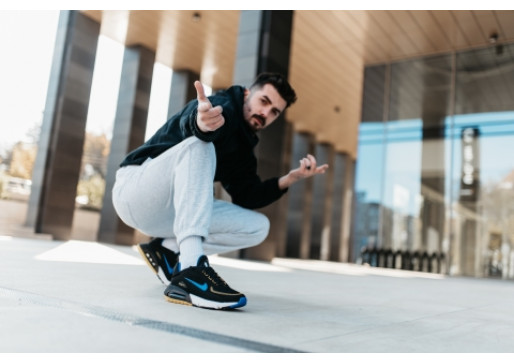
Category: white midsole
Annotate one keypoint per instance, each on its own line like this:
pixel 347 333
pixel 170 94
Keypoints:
pixel 163 277
pixel 198 301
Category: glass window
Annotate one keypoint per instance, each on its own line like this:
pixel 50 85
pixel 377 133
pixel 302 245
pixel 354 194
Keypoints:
pixel 415 185
pixel 483 173
pixel 435 176
pixel 369 173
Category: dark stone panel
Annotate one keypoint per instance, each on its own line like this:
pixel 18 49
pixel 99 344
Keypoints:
pixel 45 138
pixel 72 114
pixel 247 55
pixel 349 203
pixel 321 191
pixel 336 218
pixel 247 45
pixel 83 57
pixel 182 90
pixel 257 36
pixel 144 85
pixel 299 199
pixel 250 21
pixel 128 133
pixel 276 40
pixel 57 165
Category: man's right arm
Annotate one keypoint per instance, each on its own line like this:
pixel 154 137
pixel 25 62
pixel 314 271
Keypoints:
pixel 208 118
pixel 199 118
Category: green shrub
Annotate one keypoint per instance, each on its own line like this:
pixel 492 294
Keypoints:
pixel 92 188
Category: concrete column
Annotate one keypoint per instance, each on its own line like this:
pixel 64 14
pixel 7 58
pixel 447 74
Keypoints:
pixel 128 133
pixel 182 90
pixel 321 205
pixel 57 165
pixel 264 43
pixel 338 167
pixel 298 222
pixel 346 248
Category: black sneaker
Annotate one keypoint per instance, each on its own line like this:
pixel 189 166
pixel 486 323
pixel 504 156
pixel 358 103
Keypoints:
pixel 201 286
pixel 160 259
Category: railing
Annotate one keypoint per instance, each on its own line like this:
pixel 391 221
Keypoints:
pixel 404 260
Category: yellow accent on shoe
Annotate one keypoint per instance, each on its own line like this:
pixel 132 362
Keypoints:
pixel 146 258
pixel 176 301
pixel 224 293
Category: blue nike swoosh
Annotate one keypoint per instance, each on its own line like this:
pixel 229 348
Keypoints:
pixel 170 269
pixel 202 287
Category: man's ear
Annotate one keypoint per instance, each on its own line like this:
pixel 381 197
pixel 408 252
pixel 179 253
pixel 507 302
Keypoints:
pixel 246 93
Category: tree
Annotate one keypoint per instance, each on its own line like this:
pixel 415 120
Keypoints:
pixel 92 188
pixel 91 185
pixel 96 150
pixel 22 161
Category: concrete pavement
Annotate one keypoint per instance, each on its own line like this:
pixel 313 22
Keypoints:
pixel 84 297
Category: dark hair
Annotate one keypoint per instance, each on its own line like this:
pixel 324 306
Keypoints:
pixel 279 82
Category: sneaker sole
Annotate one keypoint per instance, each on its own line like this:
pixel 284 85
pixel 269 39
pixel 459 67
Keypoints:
pixel 183 298
pixel 148 258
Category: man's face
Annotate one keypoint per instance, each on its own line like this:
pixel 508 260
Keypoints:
pixel 262 107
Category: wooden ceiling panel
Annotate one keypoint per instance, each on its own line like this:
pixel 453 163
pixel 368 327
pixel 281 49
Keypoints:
pixel 388 28
pixel 428 28
pixel 320 29
pixel 467 22
pixel 143 29
pixel 410 29
pixel 448 24
pixel 370 39
pixel 328 54
pixel 405 20
pixel 506 22
pixel 404 44
pixel 367 50
pixel 487 22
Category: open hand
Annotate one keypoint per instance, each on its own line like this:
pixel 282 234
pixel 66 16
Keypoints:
pixel 308 167
pixel 208 118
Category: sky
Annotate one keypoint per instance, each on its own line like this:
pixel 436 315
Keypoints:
pixel 29 35
pixel 24 70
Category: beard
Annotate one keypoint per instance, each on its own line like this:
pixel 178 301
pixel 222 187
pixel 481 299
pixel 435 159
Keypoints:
pixel 260 120
pixel 256 123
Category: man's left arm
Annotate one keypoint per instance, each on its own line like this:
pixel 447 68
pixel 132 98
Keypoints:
pixel 308 167
pixel 248 191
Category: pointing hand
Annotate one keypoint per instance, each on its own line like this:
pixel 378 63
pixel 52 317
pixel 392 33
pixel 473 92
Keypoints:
pixel 208 118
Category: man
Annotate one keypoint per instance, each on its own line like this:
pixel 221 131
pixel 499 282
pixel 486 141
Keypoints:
pixel 164 188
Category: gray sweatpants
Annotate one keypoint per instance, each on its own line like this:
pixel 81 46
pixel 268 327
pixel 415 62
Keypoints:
pixel 171 196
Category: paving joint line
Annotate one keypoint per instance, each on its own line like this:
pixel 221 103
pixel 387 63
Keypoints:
pixel 132 320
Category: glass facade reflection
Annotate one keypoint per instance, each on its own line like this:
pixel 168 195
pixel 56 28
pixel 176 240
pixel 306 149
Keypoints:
pixel 434 177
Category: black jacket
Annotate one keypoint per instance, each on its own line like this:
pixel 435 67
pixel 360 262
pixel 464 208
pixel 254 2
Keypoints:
pixel 234 143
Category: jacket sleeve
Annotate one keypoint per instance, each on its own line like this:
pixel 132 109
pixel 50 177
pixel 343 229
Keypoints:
pixel 248 191
pixel 190 127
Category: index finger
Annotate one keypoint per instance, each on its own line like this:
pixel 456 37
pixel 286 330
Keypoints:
pixel 200 92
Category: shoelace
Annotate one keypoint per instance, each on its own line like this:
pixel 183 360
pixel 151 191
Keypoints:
pixel 213 276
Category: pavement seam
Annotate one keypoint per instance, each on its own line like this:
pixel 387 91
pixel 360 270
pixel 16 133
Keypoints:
pixel 132 320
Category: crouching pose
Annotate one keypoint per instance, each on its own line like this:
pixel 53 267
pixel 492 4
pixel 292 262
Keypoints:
pixel 164 188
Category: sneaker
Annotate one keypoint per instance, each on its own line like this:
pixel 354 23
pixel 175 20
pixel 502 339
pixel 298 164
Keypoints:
pixel 160 259
pixel 201 286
